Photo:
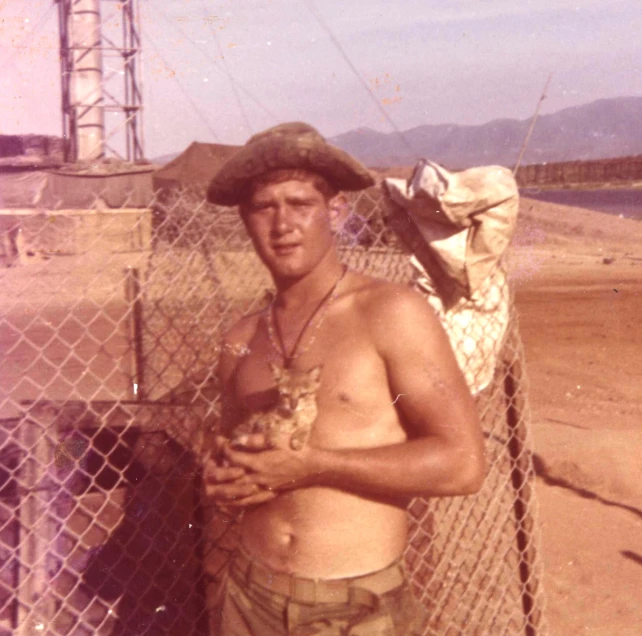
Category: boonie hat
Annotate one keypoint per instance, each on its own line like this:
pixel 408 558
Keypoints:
pixel 292 145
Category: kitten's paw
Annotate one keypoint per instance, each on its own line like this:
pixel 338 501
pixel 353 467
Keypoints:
pixel 297 441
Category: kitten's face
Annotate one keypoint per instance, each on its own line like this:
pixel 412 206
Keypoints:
pixel 293 385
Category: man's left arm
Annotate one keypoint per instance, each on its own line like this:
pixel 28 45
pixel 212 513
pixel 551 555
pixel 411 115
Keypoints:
pixel 445 453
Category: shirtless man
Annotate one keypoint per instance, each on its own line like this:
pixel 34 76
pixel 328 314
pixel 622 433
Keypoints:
pixel 324 528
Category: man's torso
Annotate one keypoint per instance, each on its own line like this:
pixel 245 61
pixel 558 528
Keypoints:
pixel 325 532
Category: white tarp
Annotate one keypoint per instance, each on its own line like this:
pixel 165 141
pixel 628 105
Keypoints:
pixel 465 221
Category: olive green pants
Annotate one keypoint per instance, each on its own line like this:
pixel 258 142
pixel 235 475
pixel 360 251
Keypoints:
pixel 259 602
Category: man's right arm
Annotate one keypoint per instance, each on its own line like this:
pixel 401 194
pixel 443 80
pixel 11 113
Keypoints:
pixel 234 346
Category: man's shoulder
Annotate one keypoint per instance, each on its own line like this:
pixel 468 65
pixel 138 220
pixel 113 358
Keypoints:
pixel 396 315
pixel 237 338
pixel 379 297
pixel 235 345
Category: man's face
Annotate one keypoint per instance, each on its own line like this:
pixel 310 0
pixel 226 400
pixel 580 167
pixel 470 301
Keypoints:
pixel 290 226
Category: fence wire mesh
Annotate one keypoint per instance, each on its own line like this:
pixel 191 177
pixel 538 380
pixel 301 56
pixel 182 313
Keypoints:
pixel 109 328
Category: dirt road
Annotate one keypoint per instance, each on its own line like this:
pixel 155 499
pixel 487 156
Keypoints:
pixel 583 343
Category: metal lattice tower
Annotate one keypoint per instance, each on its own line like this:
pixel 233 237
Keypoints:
pixel 102 101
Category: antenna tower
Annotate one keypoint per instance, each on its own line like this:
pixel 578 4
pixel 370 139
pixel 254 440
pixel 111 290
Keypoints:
pixel 100 59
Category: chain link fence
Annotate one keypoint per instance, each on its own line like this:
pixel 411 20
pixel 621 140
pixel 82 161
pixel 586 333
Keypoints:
pixel 109 334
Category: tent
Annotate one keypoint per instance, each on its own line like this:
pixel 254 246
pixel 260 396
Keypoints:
pixel 194 167
pixel 73 188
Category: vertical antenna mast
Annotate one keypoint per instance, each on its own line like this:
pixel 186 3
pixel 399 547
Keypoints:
pixel 100 51
pixel 532 126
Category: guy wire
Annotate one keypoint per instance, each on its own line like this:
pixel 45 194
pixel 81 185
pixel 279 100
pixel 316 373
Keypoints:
pixel 235 91
pixel 215 65
pixel 185 93
pixel 313 10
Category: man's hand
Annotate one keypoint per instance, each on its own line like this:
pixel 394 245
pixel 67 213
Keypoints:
pixel 272 469
pixel 248 472
pixel 229 485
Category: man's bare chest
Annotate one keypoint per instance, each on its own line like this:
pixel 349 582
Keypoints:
pixel 353 387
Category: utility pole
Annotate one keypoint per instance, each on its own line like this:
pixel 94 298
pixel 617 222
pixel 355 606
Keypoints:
pixel 100 59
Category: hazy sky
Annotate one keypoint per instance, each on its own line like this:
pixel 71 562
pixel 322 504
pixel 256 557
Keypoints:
pixel 426 61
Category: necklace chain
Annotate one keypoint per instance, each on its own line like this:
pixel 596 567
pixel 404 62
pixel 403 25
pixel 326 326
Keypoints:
pixel 274 331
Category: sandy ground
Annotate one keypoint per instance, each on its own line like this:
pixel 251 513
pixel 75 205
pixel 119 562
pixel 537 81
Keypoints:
pixel 579 296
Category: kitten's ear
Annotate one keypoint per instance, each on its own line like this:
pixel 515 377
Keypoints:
pixel 276 371
pixel 315 373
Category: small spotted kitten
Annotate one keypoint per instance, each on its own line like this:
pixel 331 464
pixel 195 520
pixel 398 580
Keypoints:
pixel 289 421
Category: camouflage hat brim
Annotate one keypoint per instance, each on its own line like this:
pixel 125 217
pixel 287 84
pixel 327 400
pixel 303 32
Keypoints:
pixel 288 146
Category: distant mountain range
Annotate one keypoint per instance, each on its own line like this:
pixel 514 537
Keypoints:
pixel 602 129
pixel 599 130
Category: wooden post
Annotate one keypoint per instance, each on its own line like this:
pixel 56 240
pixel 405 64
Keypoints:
pixel 133 296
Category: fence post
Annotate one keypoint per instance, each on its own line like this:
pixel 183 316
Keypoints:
pixel 135 311
pixel 521 473
pixel 36 605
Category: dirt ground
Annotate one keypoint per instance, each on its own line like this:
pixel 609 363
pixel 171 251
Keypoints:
pixel 579 297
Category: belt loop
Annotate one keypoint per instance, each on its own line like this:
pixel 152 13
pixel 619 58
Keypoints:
pixel 305 591
pixel 292 587
pixel 293 616
pixel 314 586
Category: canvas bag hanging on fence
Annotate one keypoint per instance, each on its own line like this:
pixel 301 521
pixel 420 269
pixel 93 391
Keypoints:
pixel 458 226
